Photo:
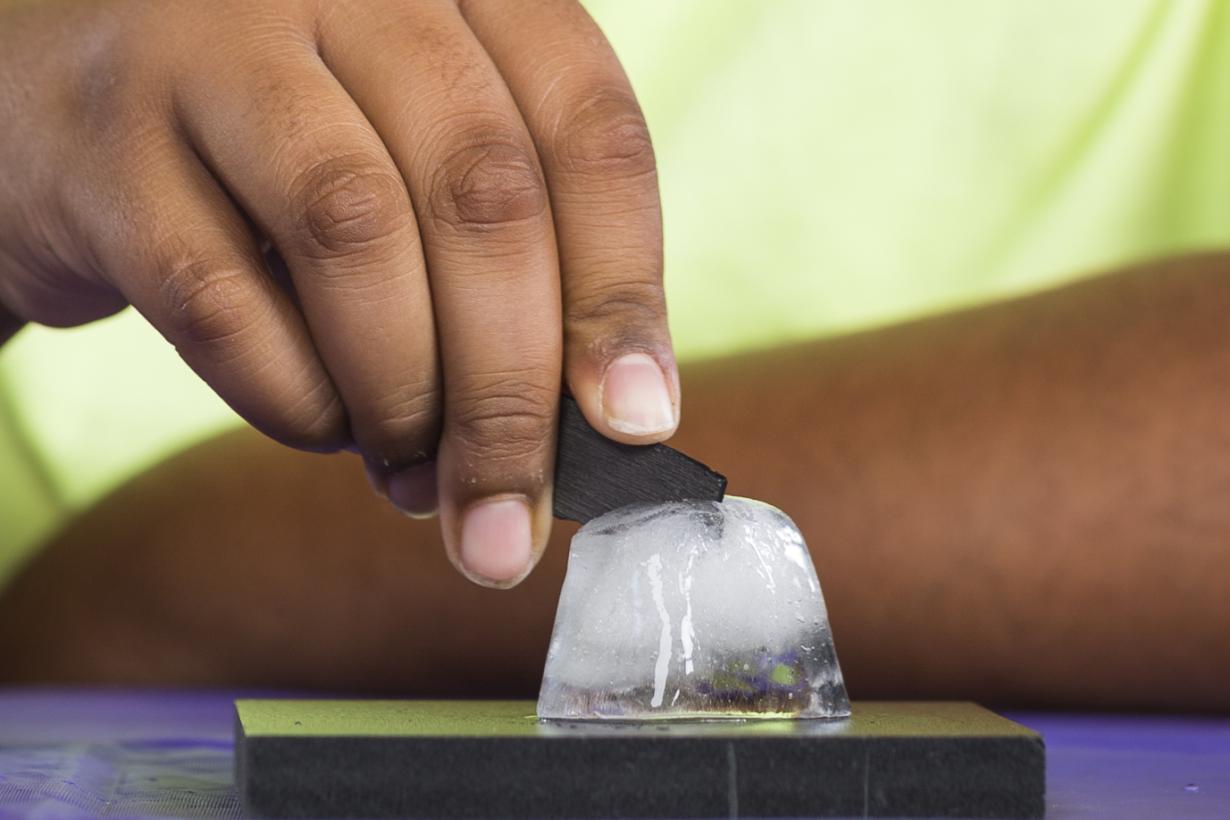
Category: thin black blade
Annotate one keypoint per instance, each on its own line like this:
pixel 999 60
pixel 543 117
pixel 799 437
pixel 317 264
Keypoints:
pixel 594 475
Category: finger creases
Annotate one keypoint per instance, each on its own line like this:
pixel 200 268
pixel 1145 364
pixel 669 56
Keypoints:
pixel 310 170
pixel 185 258
pixel 599 164
pixel 453 129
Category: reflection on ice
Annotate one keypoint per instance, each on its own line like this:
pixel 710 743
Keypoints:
pixel 691 610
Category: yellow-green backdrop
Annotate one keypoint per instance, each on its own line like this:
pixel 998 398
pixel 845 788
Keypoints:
pixel 825 165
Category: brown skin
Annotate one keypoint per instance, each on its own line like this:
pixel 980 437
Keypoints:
pixel 461 196
pixel 9 325
pixel 1023 503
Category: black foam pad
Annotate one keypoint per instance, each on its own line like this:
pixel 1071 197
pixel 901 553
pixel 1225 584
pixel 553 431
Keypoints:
pixel 496 759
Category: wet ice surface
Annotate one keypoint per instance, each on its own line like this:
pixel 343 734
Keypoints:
pixel 691 610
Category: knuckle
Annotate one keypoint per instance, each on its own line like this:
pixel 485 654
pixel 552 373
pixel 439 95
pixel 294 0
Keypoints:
pixel 508 418
pixel 627 303
pixel 605 135
pixel 109 87
pixel 314 421
pixel 401 429
pixel 346 203
pixel 491 180
pixel 210 302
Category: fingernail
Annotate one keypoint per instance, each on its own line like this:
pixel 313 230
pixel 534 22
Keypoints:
pixel 413 490
pixel 635 397
pixel 495 539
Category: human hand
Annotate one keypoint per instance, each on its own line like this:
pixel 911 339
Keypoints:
pixel 463 196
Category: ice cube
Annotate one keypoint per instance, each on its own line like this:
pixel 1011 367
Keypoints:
pixel 691 610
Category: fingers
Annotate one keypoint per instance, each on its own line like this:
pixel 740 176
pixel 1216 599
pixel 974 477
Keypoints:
pixel 184 257
pixel 600 169
pixel 305 164
pixel 454 131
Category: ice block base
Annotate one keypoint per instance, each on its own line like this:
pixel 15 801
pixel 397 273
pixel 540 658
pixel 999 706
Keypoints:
pixel 335 758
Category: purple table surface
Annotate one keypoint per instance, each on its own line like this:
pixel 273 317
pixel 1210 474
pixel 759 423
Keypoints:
pixel 142 753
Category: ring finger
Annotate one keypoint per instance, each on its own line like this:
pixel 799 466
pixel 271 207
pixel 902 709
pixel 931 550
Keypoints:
pixel 306 165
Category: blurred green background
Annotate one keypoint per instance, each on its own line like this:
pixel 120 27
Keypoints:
pixel 826 165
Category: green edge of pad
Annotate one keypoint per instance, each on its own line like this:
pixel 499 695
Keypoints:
pixel 516 718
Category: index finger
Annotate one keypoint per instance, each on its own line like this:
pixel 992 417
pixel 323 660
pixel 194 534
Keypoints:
pixel 602 180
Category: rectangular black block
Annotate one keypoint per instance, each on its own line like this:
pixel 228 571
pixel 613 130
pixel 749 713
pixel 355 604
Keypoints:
pixel 321 758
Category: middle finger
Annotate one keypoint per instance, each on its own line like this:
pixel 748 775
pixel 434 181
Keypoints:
pixel 473 175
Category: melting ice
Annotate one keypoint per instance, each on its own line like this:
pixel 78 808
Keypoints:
pixel 691 610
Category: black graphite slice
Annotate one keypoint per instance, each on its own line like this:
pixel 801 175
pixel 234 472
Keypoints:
pixel 594 475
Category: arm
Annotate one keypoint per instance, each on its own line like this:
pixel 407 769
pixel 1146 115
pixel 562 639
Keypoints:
pixel 1022 503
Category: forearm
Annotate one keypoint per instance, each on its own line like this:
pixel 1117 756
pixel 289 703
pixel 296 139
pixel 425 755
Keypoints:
pixel 1026 502
pixel 1023 503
